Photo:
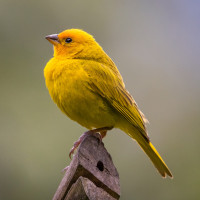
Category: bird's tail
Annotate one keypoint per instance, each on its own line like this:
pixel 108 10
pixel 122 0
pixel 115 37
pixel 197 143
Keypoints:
pixel 154 156
pixel 152 153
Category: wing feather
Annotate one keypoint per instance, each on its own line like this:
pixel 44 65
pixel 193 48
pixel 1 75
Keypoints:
pixel 109 85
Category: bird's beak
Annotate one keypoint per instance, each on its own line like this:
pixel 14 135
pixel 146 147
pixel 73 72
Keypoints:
pixel 53 39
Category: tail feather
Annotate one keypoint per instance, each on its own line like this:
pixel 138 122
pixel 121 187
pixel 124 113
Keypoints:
pixel 148 148
pixel 154 156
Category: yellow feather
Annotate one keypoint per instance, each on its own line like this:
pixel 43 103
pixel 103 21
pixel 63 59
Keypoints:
pixel 87 86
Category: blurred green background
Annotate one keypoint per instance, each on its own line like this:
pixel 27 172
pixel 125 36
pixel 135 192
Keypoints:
pixel 156 46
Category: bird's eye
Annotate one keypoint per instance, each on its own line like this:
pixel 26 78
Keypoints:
pixel 68 40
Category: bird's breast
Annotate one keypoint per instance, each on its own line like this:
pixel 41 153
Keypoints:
pixel 68 86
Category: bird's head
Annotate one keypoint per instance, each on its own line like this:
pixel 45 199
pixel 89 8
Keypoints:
pixel 75 43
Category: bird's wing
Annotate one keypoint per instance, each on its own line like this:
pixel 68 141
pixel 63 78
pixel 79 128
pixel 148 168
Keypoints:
pixel 108 83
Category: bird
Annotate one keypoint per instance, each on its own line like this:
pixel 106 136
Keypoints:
pixel 86 85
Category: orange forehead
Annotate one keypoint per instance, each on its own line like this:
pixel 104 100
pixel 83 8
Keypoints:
pixel 75 34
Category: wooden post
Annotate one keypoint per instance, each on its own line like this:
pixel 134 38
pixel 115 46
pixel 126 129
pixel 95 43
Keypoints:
pixel 91 174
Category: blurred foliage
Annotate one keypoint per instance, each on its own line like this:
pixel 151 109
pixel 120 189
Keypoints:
pixel 155 45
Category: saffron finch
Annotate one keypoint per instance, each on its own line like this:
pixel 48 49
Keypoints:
pixel 87 86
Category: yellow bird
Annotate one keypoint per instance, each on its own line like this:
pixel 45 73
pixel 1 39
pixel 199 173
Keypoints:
pixel 87 86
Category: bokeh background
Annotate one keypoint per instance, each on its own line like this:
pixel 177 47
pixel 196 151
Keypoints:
pixel 156 46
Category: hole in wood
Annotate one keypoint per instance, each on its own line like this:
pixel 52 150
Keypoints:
pixel 100 166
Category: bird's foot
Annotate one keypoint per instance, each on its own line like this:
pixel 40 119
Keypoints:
pixel 102 134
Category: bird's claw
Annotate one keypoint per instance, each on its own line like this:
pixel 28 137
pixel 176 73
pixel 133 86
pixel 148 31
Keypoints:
pixel 76 144
pixel 99 133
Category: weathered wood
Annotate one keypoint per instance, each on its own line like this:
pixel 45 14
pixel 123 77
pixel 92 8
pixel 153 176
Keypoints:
pixel 93 162
pixel 85 189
